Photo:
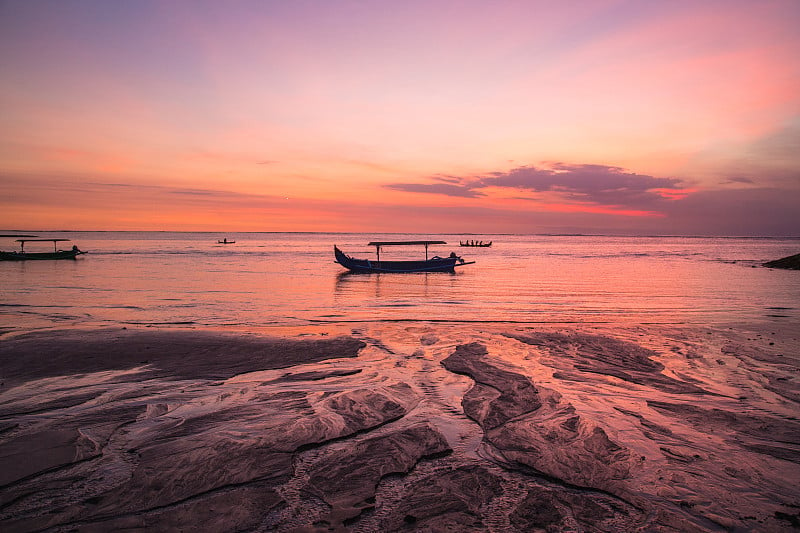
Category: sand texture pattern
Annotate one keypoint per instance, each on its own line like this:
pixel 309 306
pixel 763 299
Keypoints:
pixel 401 427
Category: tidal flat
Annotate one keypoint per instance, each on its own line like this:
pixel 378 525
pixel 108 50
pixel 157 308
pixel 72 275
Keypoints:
pixel 401 427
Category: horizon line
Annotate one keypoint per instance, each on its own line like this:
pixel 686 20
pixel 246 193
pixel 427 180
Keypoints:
pixel 542 234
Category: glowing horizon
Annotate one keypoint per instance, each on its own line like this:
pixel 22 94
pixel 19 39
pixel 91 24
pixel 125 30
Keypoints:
pixel 597 116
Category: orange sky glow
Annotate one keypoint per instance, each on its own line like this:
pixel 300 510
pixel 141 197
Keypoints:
pixel 594 116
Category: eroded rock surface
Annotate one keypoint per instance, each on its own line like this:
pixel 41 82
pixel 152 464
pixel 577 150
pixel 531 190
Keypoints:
pixel 757 432
pixel 498 395
pixel 347 478
pixel 536 430
pixel 547 509
pixel 165 464
pixel 399 428
pixel 449 500
pixel 613 357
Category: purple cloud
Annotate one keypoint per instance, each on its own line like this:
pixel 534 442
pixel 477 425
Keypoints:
pixel 598 184
pixel 593 183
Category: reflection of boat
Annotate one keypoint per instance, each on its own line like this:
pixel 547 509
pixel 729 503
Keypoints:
pixel 226 241
pixel 476 244
pixel 22 255
pixel 434 264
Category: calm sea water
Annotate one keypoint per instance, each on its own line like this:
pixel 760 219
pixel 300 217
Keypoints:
pixel 266 279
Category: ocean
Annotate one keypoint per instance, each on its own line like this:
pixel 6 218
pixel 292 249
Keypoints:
pixel 561 382
pixel 265 280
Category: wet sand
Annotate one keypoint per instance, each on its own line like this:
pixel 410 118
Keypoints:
pixel 399 427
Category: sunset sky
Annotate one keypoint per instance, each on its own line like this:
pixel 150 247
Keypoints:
pixel 603 116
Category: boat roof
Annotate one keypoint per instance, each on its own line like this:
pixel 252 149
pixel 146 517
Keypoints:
pixel 42 240
pixel 403 243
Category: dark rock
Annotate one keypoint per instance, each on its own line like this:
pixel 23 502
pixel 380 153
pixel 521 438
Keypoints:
pixel 606 355
pixel 548 509
pixel 787 263
pixel 450 500
pixel 43 451
pixel 346 479
pixel 793 519
pixel 189 354
pixel 539 510
pixel 548 437
pixel 164 466
pixel 499 395
pixel 768 435
pixel 317 375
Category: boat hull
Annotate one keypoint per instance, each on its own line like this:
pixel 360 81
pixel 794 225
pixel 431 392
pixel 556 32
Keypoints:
pixel 439 264
pixel 35 256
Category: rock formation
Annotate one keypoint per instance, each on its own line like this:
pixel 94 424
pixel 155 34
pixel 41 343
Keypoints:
pixel 787 263
pixel 399 429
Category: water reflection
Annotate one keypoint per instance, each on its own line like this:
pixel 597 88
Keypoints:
pixel 394 283
pixel 381 296
pixel 388 287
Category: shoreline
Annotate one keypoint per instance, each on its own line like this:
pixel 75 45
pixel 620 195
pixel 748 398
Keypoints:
pixel 393 426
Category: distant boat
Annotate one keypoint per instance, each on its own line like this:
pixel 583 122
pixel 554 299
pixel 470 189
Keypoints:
pixel 22 255
pixel 434 264
pixel 226 241
pixel 476 244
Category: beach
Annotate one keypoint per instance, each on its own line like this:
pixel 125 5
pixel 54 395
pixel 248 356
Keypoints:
pixel 347 267
pixel 401 426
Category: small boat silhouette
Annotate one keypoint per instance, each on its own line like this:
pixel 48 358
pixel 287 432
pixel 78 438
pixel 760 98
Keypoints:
pixel 22 255
pixel 434 264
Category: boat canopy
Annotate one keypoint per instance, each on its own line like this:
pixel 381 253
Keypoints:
pixel 54 241
pixel 378 244
pixel 42 240
pixel 404 243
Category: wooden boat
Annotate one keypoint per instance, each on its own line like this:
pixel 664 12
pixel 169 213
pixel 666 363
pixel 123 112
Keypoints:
pixel 479 244
pixel 434 264
pixel 226 241
pixel 22 255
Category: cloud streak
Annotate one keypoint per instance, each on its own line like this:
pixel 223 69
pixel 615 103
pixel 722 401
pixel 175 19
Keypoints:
pixel 447 189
